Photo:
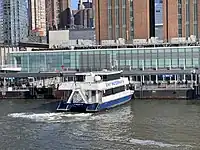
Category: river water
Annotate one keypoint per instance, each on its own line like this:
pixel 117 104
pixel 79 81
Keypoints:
pixel 138 125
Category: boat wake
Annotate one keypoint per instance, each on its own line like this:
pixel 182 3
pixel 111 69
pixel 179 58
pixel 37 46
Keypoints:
pixel 156 143
pixel 52 117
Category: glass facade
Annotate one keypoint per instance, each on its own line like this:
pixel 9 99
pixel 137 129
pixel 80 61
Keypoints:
pixel 123 58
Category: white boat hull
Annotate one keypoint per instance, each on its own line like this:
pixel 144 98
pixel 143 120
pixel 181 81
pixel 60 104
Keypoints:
pixel 94 107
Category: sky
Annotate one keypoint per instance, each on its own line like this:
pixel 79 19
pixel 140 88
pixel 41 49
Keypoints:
pixel 74 4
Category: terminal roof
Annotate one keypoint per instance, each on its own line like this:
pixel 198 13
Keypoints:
pixel 103 72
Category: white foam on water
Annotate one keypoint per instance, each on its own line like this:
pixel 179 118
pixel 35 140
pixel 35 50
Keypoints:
pixel 155 143
pixel 51 117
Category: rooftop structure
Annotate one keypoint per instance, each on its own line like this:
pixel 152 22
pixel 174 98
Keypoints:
pixel 64 42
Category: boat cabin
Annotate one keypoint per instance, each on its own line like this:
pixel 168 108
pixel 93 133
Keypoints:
pixel 98 76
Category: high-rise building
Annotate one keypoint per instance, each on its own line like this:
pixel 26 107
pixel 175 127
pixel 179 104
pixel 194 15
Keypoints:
pixel 1 22
pixel 181 18
pixel 64 4
pixel 13 21
pixel 58 14
pixel 37 18
pixel 126 19
pixel 83 17
pixel 52 14
pixel 87 4
pixel 64 14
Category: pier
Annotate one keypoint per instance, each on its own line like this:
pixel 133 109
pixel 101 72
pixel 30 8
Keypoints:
pixel 148 83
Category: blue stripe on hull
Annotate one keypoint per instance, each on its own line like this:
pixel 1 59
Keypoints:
pixel 114 103
pixel 81 107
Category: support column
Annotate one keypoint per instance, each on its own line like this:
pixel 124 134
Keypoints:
pixel 4 86
pixel 192 80
pixel 157 79
pixel 43 80
pixel 130 78
pixel 90 96
pixel 150 78
pixel 170 79
pixel 184 77
pixel 196 79
pixel 175 78
pixel 142 78
pixel 97 97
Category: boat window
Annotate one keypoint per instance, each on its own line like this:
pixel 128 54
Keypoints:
pixel 70 78
pixel 111 77
pixel 93 93
pixel 80 78
pixel 105 78
pixel 115 76
pixel 127 87
pixel 108 92
pixel 118 89
pixel 114 91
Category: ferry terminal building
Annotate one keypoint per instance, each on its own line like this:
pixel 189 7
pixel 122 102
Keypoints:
pixel 120 58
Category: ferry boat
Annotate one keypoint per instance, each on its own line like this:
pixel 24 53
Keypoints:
pixel 95 91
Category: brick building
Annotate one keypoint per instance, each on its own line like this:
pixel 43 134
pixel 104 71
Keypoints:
pixel 124 19
pixel 181 18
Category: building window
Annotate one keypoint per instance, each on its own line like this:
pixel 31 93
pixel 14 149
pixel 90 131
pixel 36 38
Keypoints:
pixel 195 24
pixel 180 18
pixel 109 4
pixel 131 21
pixel 117 11
pixel 117 28
pixel 110 33
pixel 187 18
pixel 110 19
pixel 123 12
pixel 117 32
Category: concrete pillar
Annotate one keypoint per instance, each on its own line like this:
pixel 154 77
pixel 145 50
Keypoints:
pixel 184 77
pixel 43 82
pixel 130 78
pixel 175 78
pixel 143 79
pixel 150 78
pixel 97 97
pixel 196 79
pixel 90 96
pixel 192 80
pixel 156 78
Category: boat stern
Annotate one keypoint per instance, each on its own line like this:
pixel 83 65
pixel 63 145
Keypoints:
pixel 77 107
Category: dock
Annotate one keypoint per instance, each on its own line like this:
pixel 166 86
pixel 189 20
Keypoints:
pixel 177 83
